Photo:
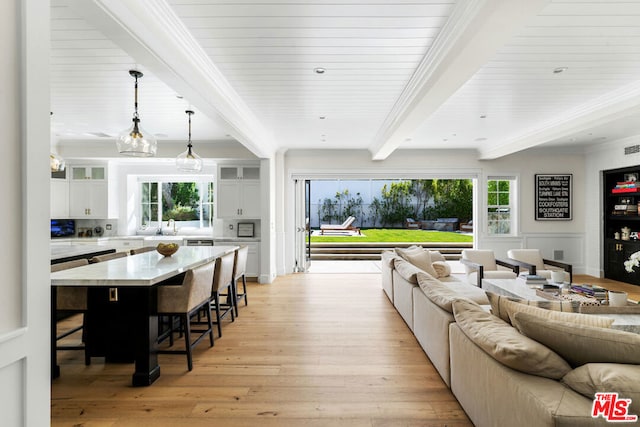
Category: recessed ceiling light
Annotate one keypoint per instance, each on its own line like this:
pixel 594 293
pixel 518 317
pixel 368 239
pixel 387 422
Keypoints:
pixel 560 70
pixel 319 70
pixel 179 96
pixel 484 116
pixel 480 139
pixel 407 139
pixel 323 117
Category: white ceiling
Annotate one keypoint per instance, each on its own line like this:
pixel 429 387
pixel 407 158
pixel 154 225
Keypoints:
pixel 475 74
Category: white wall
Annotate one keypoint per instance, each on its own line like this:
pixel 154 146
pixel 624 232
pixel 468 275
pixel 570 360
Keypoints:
pixel 567 236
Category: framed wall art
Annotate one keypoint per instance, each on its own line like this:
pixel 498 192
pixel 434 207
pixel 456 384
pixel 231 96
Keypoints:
pixel 553 197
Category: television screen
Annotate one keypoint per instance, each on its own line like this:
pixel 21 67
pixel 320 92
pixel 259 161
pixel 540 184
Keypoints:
pixel 63 227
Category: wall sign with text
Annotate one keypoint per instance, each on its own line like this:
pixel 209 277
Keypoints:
pixel 553 197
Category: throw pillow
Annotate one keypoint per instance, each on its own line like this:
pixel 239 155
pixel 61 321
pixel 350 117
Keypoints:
pixel 607 377
pixel 421 259
pixel 512 307
pixel 505 344
pixel 498 305
pixel 580 344
pixel 441 267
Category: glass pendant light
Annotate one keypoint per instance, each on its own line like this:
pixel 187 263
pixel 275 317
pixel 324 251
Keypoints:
pixel 135 141
pixel 189 161
pixel 56 162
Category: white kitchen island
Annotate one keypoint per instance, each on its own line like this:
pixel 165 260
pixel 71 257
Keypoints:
pixel 121 320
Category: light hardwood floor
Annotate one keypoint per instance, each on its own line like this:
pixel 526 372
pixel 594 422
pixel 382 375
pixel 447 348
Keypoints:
pixel 308 350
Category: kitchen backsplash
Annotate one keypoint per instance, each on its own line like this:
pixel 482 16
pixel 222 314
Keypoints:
pixel 109 227
pixel 96 227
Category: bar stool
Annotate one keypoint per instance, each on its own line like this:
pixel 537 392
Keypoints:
pixel 239 272
pixel 185 301
pixel 107 257
pixel 223 279
pixel 142 250
pixel 71 300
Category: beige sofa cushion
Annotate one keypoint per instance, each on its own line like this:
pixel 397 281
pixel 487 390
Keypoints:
pixel 580 344
pixel 607 377
pixel 505 308
pixel 440 294
pixel 436 256
pixel 418 257
pixel 505 344
pixel 442 268
pixel 499 305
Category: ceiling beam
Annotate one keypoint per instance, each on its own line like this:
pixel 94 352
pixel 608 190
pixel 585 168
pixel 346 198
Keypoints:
pixel 610 107
pixel 473 33
pixel 154 36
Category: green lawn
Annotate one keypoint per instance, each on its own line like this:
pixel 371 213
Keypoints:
pixel 396 235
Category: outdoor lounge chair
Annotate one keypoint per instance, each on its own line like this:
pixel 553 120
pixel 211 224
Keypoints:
pixel 412 224
pixel 345 226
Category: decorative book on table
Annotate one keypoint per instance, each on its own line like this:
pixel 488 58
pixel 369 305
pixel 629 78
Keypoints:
pixel 589 290
pixel 532 279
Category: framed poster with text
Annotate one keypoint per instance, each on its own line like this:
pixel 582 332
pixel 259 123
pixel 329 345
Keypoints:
pixel 553 197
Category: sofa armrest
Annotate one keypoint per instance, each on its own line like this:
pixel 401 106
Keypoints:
pixel 510 265
pixel 563 265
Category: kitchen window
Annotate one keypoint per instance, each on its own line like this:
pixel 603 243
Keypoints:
pixel 187 203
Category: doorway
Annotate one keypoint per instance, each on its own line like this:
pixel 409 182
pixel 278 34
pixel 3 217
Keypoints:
pixel 380 206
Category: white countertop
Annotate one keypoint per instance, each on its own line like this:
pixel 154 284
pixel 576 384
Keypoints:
pixel 145 269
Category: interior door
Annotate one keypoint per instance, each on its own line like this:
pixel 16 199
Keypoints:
pixel 302 230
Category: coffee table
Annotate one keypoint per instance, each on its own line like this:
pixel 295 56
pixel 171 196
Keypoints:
pixel 516 289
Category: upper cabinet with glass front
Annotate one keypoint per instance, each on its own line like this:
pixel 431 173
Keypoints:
pixel 238 192
pixel 239 172
pixel 95 173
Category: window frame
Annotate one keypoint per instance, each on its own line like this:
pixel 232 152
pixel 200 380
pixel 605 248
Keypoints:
pixel 512 204
pixel 203 181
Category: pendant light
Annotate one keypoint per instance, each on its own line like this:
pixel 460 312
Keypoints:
pixel 135 141
pixel 189 161
pixel 56 162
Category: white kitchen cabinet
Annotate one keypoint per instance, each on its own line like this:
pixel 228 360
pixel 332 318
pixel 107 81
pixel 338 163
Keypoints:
pixel 88 192
pixel 59 198
pixel 88 199
pixel 239 192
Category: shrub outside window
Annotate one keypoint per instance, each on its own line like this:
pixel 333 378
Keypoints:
pixel 187 203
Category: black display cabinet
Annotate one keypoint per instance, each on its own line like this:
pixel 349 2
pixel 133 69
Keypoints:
pixel 621 222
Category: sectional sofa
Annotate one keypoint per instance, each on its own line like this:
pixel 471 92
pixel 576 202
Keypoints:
pixel 525 365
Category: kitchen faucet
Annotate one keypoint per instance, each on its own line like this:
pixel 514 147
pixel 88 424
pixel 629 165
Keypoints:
pixel 172 222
